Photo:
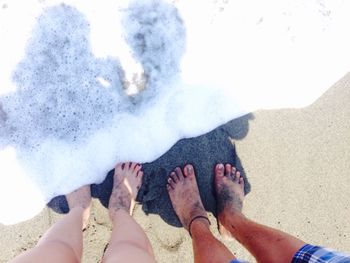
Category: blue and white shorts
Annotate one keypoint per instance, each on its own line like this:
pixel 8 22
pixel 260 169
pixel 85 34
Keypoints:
pixel 315 254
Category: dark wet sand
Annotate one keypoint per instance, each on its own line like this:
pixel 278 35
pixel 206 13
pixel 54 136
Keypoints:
pixel 296 163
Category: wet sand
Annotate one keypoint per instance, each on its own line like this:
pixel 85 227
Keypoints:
pixel 296 164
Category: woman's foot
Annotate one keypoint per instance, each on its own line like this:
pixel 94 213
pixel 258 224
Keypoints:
pixel 127 182
pixel 81 199
pixel 229 187
pixel 184 195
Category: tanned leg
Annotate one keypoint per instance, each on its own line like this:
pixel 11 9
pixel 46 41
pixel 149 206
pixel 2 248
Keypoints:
pixel 63 242
pixel 129 242
pixel 183 191
pixel 266 244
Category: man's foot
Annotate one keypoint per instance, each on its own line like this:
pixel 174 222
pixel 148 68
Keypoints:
pixel 184 195
pixel 229 187
pixel 81 198
pixel 127 182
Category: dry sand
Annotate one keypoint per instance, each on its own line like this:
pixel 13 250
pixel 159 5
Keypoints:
pixel 297 162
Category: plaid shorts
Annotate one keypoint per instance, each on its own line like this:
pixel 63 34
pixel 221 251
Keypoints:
pixel 315 254
pixel 238 261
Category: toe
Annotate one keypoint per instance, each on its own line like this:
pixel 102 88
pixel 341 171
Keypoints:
pixel 133 166
pixel 129 165
pixel 228 170
pixel 174 177
pixel 137 167
pixel 119 167
pixel 139 174
pixel 219 170
pixel 139 183
pixel 171 183
pixel 179 173
pixel 237 176
pixel 233 173
pixel 188 170
pixel 169 187
pixel 241 182
pixel 233 170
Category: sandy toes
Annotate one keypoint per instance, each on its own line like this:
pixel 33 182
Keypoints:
pixel 184 195
pixel 229 186
pixel 127 182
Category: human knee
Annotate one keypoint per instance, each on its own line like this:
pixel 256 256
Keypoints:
pixel 53 247
pixel 127 251
pixel 49 251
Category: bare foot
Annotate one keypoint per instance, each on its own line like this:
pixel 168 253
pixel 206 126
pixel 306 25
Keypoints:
pixel 229 187
pixel 81 198
pixel 127 182
pixel 184 195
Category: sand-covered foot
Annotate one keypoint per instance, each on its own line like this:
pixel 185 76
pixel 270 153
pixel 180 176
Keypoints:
pixel 127 182
pixel 184 195
pixel 229 186
pixel 81 198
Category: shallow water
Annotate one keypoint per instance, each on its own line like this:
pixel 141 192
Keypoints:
pixel 85 86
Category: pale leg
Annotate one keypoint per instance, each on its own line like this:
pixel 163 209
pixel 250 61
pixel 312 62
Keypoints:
pixel 63 242
pixel 128 242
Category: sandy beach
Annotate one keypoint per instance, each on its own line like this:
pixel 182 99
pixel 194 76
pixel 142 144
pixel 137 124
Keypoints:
pixel 296 164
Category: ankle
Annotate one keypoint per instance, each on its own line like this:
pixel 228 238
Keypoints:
pixel 231 219
pixel 77 210
pixel 116 214
pixel 198 226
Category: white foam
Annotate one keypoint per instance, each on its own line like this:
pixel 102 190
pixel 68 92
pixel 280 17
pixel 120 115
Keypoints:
pixel 67 70
pixel 15 180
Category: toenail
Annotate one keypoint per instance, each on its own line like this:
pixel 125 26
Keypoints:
pixel 189 169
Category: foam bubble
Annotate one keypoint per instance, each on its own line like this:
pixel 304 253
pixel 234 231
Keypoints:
pixel 85 85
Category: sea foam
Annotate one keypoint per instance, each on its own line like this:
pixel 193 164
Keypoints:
pixel 83 86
